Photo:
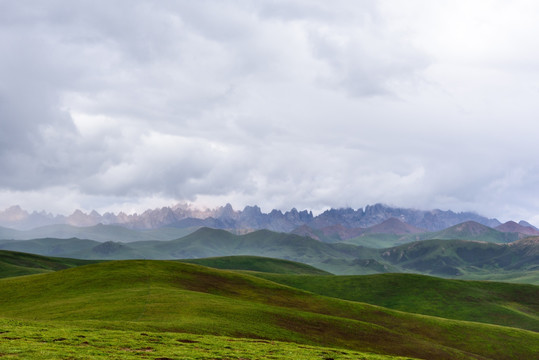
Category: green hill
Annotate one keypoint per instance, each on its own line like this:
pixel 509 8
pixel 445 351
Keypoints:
pixel 505 304
pixel 459 257
pixel 207 242
pixel 17 264
pixel 257 263
pixel 185 298
pixel 517 261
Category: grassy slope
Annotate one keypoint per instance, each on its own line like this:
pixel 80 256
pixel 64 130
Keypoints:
pixel 257 263
pixel 459 257
pixel 515 305
pixel 17 264
pixel 51 341
pixel 177 297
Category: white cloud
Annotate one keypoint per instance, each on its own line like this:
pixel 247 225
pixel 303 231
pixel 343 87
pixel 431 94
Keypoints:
pixel 304 104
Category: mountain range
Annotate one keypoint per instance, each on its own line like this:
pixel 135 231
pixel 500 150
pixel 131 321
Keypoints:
pixel 446 258
pixel 250 218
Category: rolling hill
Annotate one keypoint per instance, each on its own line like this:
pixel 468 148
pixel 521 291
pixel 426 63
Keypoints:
pixel 447 258
pixel 17 264
pixel 257 263
pixel 169 296
pixel 515 305
pixel 459 257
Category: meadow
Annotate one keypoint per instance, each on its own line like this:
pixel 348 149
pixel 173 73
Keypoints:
pixel 122 299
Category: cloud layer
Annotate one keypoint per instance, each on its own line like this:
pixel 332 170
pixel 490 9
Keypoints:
pixel 305 104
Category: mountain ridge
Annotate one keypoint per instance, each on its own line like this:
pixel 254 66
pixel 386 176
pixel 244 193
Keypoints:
pixel 251 217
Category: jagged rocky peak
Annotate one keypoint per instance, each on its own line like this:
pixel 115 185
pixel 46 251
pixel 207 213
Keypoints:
pixel 251 217
pixel 226 212
pixel 13 213
pixel 301 216
pixel 252 211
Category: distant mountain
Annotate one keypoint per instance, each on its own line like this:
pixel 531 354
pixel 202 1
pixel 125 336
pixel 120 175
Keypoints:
pixel 527 224
pixel 432 220
pixel 447 258
pixel 471 230
pixel 96 232
pixel 384 234
pixel 50 246
pixel 393 226
pixel 459 257
pixel 330 234
pixel 250 218
pixel 513 227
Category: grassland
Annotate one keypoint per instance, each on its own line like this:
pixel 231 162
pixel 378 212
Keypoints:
pixel 170 298
pixel 45 340
pixel 515 305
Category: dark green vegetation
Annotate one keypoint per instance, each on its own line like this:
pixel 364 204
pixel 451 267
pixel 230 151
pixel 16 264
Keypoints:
pixel 517 261
pixel 464 258
pixel 17 264
pixel 257 263
pixel 515 305
pixel 173 298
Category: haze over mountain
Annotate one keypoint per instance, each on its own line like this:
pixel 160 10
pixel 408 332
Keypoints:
pixel 251 217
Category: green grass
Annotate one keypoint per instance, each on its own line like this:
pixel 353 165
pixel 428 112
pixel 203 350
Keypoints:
pixel 172 297
pixel 515 305
pixel 43 340
pixel 257 263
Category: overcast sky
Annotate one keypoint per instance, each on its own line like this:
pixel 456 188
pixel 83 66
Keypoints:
pixel 128 105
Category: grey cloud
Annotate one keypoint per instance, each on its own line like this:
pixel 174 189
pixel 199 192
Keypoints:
pixel 282 104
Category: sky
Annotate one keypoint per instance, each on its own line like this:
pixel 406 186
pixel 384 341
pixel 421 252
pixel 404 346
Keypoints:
pixel 134 104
